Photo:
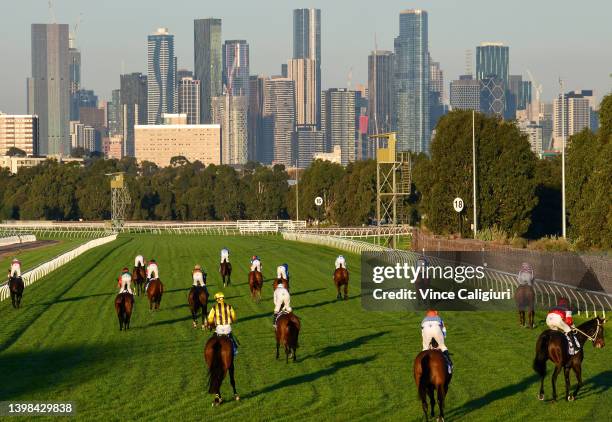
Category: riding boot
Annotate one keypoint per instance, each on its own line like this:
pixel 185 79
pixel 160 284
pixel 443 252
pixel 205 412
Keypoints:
pixel 274 319
pixel 575 340
pixel 448 360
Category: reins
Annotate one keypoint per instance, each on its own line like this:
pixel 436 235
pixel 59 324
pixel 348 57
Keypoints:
pixel 594 337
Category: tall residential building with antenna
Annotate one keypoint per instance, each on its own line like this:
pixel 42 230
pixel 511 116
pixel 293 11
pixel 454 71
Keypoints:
pixel 161 76
pixel 307 45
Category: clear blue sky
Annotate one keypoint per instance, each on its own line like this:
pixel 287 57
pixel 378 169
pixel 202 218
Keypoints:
pixel 550 38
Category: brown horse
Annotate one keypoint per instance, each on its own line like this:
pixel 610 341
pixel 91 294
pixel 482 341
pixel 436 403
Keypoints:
pixel 226 272
pixel 255 284
pixel 124 303
pixel 431 375
pixel 198 299
pixel 341 278
pixel 155 289
pixel 139 276
pixel 287 332
pixel 16 287
pixel 219 357
pixel 553 345
pixel 525 302
pixel 280 280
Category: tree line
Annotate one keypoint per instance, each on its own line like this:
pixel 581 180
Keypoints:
pixel 517 193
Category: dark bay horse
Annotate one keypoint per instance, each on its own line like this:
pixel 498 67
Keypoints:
pixel 255 284
pixel 139 277
pixel 553 345
pixel 226 272
pixel 198 299
pixel 219 357
pixel 154 293
pixel 341 278
pixel 124 304
pixel 525 302
pixel 280 280
pixel 16 287
pixel 431 375
pixel 287 331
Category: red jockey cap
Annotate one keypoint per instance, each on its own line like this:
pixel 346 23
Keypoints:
pixel 562 301
pixel 431 312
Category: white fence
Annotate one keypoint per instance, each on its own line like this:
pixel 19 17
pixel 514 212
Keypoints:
pixel 547 292
pixel 49 266
pixel 11 240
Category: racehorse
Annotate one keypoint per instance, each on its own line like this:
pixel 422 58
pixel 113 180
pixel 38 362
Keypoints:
pixel 124 303
pixel 431 375
pixel 341 278
pixel 219 357
pixel 553 345
pixel 139 276
pixel 287 332
pixel 226 272
pixel 525 302
pixel 280 280
pixel 255 284
pixel 155 289
pixel 198 298
pixel 16 288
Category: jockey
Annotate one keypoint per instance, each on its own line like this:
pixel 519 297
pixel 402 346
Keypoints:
pixel 139 261
pixel 432 327
pixel 152 270
pixel 340 262
pixel 125 281
pixel 255 264
pixel 559 318
pixel 222 315
pixel 281 297
pixel 525 275
pixel 422 264
pixel 224 255
pixel 198 276
pixel 15 268
pixel 282 271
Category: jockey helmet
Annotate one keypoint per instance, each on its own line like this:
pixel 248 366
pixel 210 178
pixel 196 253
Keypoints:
pixel 152 260
pixel 125 270
pixel 526 267
pixel 340 256
pixel 197 267
pixel 15 261
pixel 254 257
pixel 219 296
pixel 431 313
pixel 562 301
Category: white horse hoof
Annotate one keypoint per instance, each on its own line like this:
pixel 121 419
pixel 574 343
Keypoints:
pixel 541 397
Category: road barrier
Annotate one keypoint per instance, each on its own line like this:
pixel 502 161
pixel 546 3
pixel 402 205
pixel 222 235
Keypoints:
pixel 547 292
pixel 11 240
pixel 42 270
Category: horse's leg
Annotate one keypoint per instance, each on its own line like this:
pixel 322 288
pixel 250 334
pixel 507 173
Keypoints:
pixel 578 371
pixel 277 349
pixel 233 381
pixel 287 351
pixel 531 316
pixel 432 401
pixel 441 396
pixel 554 381
pixel 521 317
pixel 566 375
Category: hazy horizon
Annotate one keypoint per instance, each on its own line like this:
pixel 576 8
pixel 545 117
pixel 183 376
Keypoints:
pixel 552 40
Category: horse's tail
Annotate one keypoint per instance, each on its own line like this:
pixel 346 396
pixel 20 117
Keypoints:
pixel 423 380
pixel 539 362
pixel 216 371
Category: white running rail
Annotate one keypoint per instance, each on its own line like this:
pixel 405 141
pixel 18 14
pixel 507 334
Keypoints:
pixel 49 266
pixel 11 240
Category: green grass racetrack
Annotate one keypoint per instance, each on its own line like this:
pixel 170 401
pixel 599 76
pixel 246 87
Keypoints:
pixel 65 345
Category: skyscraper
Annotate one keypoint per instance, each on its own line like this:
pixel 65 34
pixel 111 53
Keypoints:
pixel 235 56
pixel 380 91
pixel 412 82
pixel 230 112
pixel 161 76
pixel 74 66
pixel 307 43
pixel 18 131
pixel 306 141
pixel 492 69
pixel 465 93
pixel 437 108
pixel 573 112
pixel 49 87
pixel 207 62
pixel 189 99
pixel 338 121
pixel 133 107
pixel 255 117
pixel 303 73
pixel 278 121
pixel 114 114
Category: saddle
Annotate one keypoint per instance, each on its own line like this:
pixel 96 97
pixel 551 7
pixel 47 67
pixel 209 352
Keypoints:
pixel 280 314
pixel 573 346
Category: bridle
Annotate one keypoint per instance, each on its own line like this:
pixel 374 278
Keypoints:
pixel 594 337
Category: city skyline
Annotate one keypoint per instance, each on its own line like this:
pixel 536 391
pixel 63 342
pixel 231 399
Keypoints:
pixel 539 47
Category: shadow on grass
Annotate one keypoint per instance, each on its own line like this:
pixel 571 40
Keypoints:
pixel 164 322
pixel 311 377
pixel 499 394
pixel 596 385
pixel 24 373
pixel 76 298
pixel 351 344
